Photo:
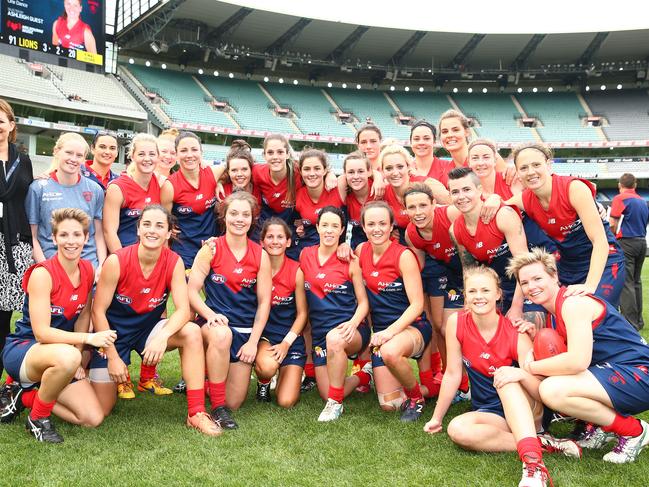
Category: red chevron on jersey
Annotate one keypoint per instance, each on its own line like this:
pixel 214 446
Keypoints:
pixel 440 247
pixel 309 209
pixel 273 194
pixel 189 199
pixel 135 199
pixel 354 206
pixel 487 244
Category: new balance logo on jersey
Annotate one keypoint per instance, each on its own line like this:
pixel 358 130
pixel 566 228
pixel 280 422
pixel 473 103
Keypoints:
pixel 238 270
pixel 147 200
pixel 374 274
pixel 322 275
pixel 277 195
pixel 199 196
pixel 479 245
pixel 551 221
pixel 145 290
pixel 74 297
pixel 485 355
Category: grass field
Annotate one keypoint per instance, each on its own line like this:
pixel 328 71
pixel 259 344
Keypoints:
pixel 145 442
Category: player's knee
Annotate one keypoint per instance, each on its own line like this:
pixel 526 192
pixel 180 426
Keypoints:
pixel 335 341
pixel 220 337
pixel 265 368
pixel 92 419
pixel 190 334
pixel 68 359
pixel 549 391
pixel 390 355
pixel 460 433
pixel 391 401
pixel 287 401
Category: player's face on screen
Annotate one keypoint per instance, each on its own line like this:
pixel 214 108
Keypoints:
pixel 452 134
pixel 330 228
pixel 481 293
pixel 395 169
pixel 238 217
pixel 420 209
pixel 312 171
pixel 369 143
pixel 482 160
pixel 189 153
pixel 275 155
pixel 537 285
pixel 464 193
pixel 72 8
pixel 422 141
pixel 70 156
pixel 105 150
pixel 239 172
pixel 533 168
pixel 70 239
pixel 145 157
pixel 377 226
pixel 357 174
pixel 276 241
pixel 153 229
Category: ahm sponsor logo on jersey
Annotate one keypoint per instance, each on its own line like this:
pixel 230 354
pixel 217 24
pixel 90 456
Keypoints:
pixel 335 288
pixel 218 278
pixel 123 299
pixel 246 282
pixel 282 300
pixel 57 310
pixel 185 210
pixel 498 251
pixel 568 229
pixel 389 286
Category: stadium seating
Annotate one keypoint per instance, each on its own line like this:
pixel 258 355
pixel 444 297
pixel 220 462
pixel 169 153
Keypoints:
pixel 627 113
pixel 560 114
pixel 366 104
pixel 312 109
pixel 185 101
pixel 496 115
pixel 249 102
pixel 426 106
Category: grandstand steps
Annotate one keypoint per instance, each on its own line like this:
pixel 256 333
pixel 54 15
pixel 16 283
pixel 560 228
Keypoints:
pixel 277 105
pixel 393 104
pixel 135 88
pixel 211 95
pixel 521 110
pixel 474 134
pixel 589 112
pixel 338 109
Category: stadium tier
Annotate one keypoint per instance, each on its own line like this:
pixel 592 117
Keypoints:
pixel 426 106
pixel 627 113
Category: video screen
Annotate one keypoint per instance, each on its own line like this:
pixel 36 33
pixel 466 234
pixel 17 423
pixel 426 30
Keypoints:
pixel 69 28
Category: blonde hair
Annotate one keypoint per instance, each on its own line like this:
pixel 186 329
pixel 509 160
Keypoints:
pixel 486 142
pixel 391 149
pixel 454 114
pixel 5 108
pixel 476 270
pixel 537 146
pixel 139 138
pixel 61 214
pixel 64 139
pixel 535 256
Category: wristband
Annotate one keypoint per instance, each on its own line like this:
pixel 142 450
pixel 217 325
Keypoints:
pixel 290 337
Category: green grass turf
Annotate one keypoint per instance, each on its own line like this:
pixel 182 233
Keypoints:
pixel 145 442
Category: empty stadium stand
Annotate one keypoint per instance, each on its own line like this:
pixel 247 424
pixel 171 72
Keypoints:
pixel 627 113
pixel 426 106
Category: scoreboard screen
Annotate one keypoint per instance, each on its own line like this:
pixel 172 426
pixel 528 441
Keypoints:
pixel 69 28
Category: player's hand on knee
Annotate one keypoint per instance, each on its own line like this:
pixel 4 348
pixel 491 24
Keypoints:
pixel 507 375
pixel 218 320
pixel 247 352
pixel 117 370
pixel 101 339
pixel 279 351
pixel 380 338
pixel 347 330
pixel 433 426
pixel 154 351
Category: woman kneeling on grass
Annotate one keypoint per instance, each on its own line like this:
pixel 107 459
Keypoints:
pixel 603 377
pixel 45 349
pixel 337 310
pixel 280 346
pixel 236 274
pixel 131 297
pixel 393 282
pixel 507 410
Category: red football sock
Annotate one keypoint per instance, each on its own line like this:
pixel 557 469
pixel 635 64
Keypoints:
pixel 9 380
pixel 217 393
pixel 41 409
pixel 363 377
pixel 624 426
pixel 436 362
pixel 147 372
pixel 427 379
pixel 529 450
pixel 464 385
pixel 195 401
pixel 360 363
pixel 263 381
pixel 414 393
pixel 336 393
pixel 309 370
pixel 28 398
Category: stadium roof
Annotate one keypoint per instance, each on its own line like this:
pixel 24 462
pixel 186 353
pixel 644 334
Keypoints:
pixel 185 27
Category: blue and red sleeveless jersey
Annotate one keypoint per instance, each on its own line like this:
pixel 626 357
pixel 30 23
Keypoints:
pixel 194 210
pixel 231 286
pixel 439 170
pixel 489 247
pixel 615 340
pixel 635 211
pixel 274 196
pixel 353 209
pixel 401 218
pixel 283 309
pixel 135 199
pixel 481 358
pixel 88 171
pixel 440 247
pixel 66 300
pixel 308 210
pixel 562 224
pixel 384 283
pixel 138 302
pixel 329 290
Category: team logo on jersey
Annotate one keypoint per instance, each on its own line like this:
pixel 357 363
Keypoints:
pixel 145 290
pixel 133 212
pixel 374 274
pixel 184 210
pixel 376 351
pixel 238 270
pixel 123 299
pixel 87 195
pixel 218 278
pixel 552 221
pixel 479 245
pixel 147 200
pixel 485 355
pixel 57 310
pixel 321 275
pixel 320 352
pixel 199 196
pixel 74 297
